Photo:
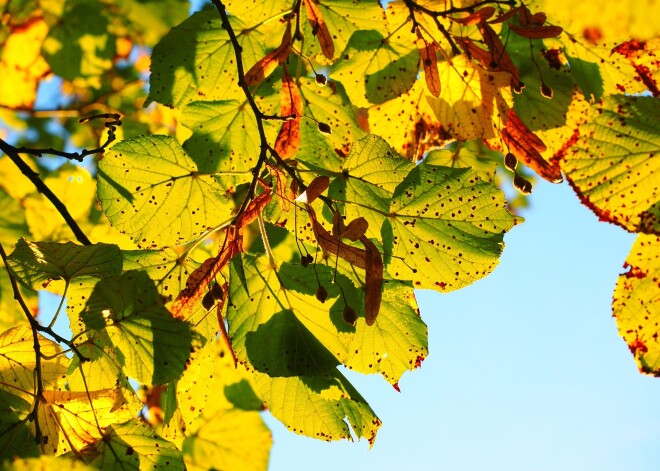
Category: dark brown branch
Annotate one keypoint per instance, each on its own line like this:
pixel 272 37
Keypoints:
pixel 258 114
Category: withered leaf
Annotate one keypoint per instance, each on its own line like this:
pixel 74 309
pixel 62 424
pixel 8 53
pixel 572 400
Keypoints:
pixel 373 281
pixel 478 16
pixel 537 32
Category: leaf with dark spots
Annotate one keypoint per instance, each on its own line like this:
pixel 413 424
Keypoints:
pixel 636 303
pixel 499 54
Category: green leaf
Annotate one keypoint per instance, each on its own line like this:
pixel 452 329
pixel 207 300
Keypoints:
pixel 36 264
pixel 134 445
pixel 154 345
pixel 612 165
pixel 79 44
pixel 148 20
pixel 256 12
pixel 321 407
pixel 328 105
pixel 151 190
pixel 442 227
pixel 270 333
pixel 102 371
pixel 195 60
pixel 15 437
pixel 636 304
pixel 472 154
pixel 343 19
pixel 11 312
pixel 225 135
pixel 375 69
pixel 168 271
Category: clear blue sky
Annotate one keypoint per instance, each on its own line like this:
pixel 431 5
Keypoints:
pixel 526 369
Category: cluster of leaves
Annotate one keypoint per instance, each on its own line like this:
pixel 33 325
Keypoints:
pixel 261 214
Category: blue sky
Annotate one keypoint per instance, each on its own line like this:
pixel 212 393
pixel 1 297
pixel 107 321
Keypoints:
pixel 526 368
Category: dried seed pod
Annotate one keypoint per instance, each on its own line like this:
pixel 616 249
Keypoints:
pixel 518 88
pixel 350 316
pixel 321 80
pixel 321 294
pixel 304 261
pixel 510 162
pixel 325 128
pixel 208 301
pixel 216 291
pixel 522 185
pixel 546 91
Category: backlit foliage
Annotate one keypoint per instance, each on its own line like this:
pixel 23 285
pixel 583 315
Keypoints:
pixel 235 206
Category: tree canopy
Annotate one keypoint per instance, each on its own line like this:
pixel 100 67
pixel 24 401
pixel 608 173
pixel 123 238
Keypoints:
pixel 236 206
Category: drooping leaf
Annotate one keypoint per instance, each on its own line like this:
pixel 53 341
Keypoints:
pixel 151 190
pixel 134 445
pixel 36 264
pixel 636 304
pixel 154 345
pixel 612 164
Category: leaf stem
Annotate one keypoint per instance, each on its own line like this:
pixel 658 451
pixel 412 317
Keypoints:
pixel 59 308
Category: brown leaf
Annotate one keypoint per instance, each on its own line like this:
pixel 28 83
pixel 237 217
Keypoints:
pixel 504 17
pixel 373 280
pixel 537 32
pixel 264 67
pixel 527 147
pixel 320 28
pixel 476 17
pixel 427 52
pixel 314 189
pixel 288 140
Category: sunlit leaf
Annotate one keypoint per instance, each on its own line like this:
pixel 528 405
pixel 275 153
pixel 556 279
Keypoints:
pixel 15 437
pixel 12 221
pixel 636 304
pixel 11 314
pixel 150 189
pixel 134 445
pixel 611 166
pixel 324 407
pixel 153 344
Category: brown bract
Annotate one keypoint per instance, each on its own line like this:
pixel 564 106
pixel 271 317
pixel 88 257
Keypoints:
pixel 320 28
pixel 428 53
pixel 527 147
pixel 266 65
pixel 288 139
